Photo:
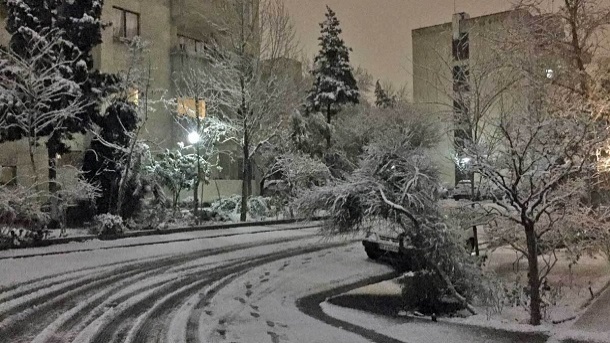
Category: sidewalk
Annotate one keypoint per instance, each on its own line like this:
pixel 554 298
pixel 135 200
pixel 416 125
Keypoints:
pixel 597 316
pixel 94 243
pixel 375 307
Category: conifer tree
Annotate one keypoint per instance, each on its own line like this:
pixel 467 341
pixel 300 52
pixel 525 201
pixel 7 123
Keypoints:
pixel 334 82
pixel 382 99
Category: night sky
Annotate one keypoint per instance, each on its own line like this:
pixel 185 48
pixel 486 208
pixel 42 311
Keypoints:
pixel 379 31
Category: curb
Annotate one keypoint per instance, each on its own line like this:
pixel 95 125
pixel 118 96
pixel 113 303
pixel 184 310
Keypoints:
pixel 150 243
pixel 326 297
pixel 144 233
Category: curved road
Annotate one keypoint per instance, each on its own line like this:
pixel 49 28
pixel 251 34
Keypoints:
pixel 170 292
pixel 260 285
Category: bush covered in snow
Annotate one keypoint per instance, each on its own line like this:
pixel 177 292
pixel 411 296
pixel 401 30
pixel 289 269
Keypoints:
pixel 230 207
pixel 108 225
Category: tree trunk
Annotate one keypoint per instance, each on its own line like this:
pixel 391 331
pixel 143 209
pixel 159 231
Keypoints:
pixel 246 177
pixel 533 280
pixel 196 188
pixel 53 186
pixel 328 129
pixel 34 169
pixel 197 179
pixel 475 233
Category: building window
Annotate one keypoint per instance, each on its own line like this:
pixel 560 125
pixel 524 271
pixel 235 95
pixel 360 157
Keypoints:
pixel 191 45
pixel 461 74
pixel 461 47
pixel 188 107
pixel 126 23
pixel 8 175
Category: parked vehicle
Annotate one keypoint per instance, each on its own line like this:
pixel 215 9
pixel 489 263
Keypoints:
pixel 384 243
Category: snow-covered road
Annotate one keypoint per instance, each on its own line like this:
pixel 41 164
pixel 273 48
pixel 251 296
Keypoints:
pixel 198 287
pixel 190 290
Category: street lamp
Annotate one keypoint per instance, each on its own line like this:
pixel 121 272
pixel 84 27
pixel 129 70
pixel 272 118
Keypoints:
pixel 194 137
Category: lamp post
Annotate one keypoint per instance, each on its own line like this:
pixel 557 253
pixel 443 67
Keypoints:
pixel 464 163
pixel 194 138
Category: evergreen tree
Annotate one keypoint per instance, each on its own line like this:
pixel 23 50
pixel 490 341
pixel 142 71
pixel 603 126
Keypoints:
pixel 80 27
pixel 102 161
pixel 382 99
pixel 334 82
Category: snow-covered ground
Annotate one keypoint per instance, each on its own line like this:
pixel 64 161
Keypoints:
pixel 194 289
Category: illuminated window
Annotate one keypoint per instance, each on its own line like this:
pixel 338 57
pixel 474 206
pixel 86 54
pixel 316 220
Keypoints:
pixel 133 96
pixel 126 23
pixel 187 107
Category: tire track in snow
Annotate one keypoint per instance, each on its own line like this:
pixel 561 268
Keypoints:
pixel 79 298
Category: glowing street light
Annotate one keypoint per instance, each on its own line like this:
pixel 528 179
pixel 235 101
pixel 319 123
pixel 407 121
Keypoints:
pixel 193 137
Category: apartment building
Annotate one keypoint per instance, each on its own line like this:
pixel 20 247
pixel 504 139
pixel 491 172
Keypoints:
pixel 176 30
pixel 453 72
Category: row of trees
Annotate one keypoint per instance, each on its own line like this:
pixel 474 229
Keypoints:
pixel 244 93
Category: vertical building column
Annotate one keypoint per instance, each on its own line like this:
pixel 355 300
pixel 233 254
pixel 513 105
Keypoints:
pixel 460 72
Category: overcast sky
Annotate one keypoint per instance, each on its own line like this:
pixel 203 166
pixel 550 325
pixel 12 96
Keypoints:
pixel 379 31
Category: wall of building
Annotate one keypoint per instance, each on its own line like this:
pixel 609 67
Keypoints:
pixel 433 79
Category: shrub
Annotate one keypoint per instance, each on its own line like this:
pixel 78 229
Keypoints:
pixel 108 225
pixel 258 207
pixel 426 292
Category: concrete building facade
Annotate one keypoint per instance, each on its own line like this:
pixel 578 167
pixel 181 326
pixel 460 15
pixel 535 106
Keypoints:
pixel 457 81
pixel 176 30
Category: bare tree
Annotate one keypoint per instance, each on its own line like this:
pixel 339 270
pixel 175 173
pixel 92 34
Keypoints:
pixel 251 75
pixel 542 169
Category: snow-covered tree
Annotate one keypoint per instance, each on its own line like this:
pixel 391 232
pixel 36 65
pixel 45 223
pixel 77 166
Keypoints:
pixel 382 98
pixel 32 88
pixel 248 80
pixel 395 187
pixel 198 113
pixel 115 156
pixel 79 28
pixel 542 167
pixel 334 82
pixel 177 170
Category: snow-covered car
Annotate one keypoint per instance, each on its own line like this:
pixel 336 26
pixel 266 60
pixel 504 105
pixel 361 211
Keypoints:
pixel 462 190
pixel 381 243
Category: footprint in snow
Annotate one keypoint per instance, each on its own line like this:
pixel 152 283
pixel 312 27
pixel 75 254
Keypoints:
pixel 267 273
pixel 209 313
pixel 264 280
pixel 222 333
pixel 248 293
pixel 270 324
pixel 275 338
pixel 241 300
pixel 254 307
pixel 248 285
pixel 254 314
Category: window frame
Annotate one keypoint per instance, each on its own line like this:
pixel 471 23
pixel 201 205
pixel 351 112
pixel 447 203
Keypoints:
pixel 123 23
pixel 182 44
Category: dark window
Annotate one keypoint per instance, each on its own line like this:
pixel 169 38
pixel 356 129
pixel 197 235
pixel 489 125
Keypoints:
pixel 461 47
pixel 459 107
pixel 8 175
pixel 126 23
pixel 191 45
pixel 460 79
